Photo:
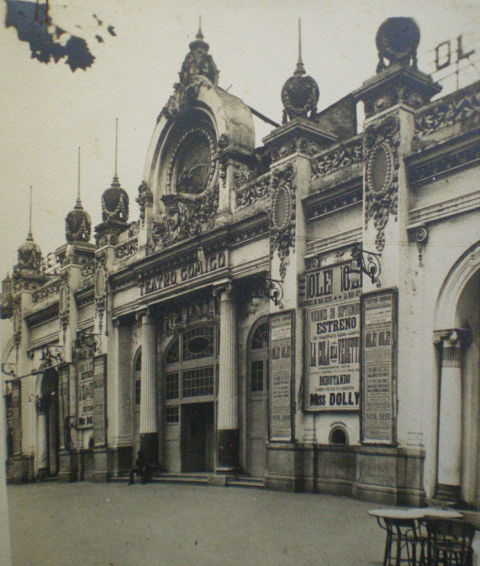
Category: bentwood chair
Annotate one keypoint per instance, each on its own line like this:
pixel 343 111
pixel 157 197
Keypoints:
pixel 450 542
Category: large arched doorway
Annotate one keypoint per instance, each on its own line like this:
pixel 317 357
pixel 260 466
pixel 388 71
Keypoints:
pixel 457 329
pixel 189 393
pixel 257 396
pixel 48 425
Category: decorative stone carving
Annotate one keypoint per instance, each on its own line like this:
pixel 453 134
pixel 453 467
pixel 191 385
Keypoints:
pixel 241 177
pixel 144 199
pixel 419 235
pixel 198 69
pixel 256 190
pixel 29 256
pixel 300 96
pixel 17 321
pixel 199 310
pixel 86 273
pixel 341 157
pixel 126 249
pixel 381 183
pixel 283 214
pixel 115 203
pixel 297 144
pixel 78 225
pixel 64 306
pixel 458 107
pixel 46 291
pixel 397 40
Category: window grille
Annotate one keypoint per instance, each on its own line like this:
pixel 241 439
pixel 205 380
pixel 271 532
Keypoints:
pixel 172 415
pixel 199 343
pixel 172 386
pixel 198 382
pixel 173 354
pixel 257 376
pixel 260 337
pixel 138 391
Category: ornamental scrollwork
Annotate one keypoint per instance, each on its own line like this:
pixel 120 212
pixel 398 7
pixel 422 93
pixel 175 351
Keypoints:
pixel 253 191
pixel 458 107
pixel 283 214
pixel 17 322
pixel 341 157
pixel 382 140
pixel 126 249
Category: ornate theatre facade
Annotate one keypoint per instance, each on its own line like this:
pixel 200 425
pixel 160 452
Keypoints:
pixel 305 313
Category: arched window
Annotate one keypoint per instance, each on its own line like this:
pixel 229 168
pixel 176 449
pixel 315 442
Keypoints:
pixel 338 436
pixel 259 359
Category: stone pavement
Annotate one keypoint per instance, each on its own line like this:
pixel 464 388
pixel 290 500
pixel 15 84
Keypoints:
pixel 87 524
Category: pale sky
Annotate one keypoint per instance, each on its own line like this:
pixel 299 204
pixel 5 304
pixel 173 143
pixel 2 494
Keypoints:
pixel 48 111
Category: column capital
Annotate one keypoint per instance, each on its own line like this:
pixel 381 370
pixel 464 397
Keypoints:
pixel 145 315
pixel 452 337
pixel 222 288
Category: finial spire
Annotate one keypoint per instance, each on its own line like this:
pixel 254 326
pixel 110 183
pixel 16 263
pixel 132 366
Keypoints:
pixel 116 149
pixel 300 70
pixel 79 201
pixel 200 34
pixel 30 236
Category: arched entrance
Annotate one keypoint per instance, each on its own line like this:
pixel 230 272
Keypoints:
pixel 48 425
pixel 190 393
pixel 457 334
pixel 257 396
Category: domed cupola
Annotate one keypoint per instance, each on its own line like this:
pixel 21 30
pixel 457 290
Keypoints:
pixel 78 224
pixel 29 253
pixel 300 93
pixel 198 62
pixel 115 202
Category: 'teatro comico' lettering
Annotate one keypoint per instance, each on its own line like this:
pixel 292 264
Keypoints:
pixel 182 274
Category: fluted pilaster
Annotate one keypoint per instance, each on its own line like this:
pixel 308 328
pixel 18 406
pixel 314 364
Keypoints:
pixel 148 397
pixel 227 418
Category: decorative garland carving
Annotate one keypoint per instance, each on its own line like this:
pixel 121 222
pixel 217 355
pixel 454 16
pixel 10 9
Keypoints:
pixel 254 191
pixel 64 306
pixel 382 138
pixel 183 97
pixel 341 157
pixel 100 287
pixel 126 249
pixel 282 226
pixel 458 107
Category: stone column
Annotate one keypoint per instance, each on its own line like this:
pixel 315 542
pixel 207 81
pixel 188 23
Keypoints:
pixel 148 398
pixel 450 416
pixel 228 436
pixel 42 432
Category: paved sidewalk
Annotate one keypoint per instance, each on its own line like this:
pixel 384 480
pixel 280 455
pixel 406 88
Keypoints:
pixel 88 524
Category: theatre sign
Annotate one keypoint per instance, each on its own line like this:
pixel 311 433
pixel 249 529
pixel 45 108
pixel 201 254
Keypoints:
pixel 332 320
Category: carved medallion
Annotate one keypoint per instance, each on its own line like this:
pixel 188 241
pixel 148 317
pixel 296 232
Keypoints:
pixel 380 168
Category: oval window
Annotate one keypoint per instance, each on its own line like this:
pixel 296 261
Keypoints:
pixel 380 168
pixel 198 345
pixel 281 208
